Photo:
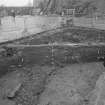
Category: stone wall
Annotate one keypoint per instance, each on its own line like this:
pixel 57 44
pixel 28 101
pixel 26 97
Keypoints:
pixel 21 26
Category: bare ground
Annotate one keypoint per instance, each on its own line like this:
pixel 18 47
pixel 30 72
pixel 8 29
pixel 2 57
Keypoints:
pixel 74 85
pixel 66 76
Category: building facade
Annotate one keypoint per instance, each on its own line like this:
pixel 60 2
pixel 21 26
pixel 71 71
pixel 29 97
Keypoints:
pixel 37 2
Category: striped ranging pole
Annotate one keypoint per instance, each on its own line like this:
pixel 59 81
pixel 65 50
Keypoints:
pixel 52 55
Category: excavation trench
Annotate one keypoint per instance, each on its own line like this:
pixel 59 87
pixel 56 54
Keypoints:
pixel 46 64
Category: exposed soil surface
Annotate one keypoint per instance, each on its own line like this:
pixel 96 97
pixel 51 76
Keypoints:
pixel 75 85
pixel 53 75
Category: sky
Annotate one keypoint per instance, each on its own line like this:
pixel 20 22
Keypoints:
pixel 14 2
